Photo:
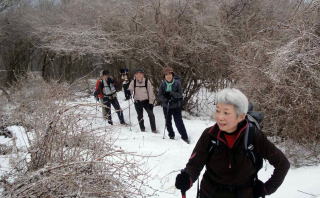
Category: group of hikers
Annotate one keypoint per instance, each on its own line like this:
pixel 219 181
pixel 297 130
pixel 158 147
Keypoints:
pixel 141 90
pixel 232 150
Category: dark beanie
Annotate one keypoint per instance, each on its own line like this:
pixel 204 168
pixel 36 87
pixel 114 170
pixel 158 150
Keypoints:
pixel 105 72
pixel 139 71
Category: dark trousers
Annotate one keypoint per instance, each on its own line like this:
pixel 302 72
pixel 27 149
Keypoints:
pixel 139 106
pixel 115 103
pixel 176 113
pixel 127 94
pixel 126 91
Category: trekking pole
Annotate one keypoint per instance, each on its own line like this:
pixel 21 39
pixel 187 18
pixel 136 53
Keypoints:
pixel 129 116
pixel 165 118
pixel 183 194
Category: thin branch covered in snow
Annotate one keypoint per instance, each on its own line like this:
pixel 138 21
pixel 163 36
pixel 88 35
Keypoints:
pixel 68 155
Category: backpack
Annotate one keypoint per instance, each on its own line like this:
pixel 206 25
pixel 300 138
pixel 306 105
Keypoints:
pixel 135 85
pixel 109 84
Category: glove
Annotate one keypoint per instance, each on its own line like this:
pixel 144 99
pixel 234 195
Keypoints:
pixel 259 189
pixel 167 95
pixel 95 93
pixel 183 181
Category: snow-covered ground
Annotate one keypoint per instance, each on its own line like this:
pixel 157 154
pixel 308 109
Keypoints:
pixel 168 157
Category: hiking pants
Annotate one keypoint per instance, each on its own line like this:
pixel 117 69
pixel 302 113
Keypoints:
pixel 177 116
pixel 106 110
pixel 126 91
pixel 139 106
pixel 127 94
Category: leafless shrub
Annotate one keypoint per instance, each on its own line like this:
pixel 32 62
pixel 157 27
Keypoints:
pixel 4 149
pixel 68 155
pixel 277 65
pixel 295 73
pixel 267 48
pixel 152 35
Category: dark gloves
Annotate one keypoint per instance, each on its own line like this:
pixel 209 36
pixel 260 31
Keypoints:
pixel 167 95
pixel 95 94
pixel 258 189
pixel 183 181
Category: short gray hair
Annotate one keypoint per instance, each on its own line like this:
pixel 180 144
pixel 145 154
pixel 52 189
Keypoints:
pixel 233 97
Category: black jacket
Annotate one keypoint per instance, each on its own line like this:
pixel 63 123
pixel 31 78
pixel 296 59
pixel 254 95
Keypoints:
pixel 232 166
pixel 173 98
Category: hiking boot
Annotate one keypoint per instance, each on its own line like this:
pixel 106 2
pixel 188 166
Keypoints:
pixel 186 140
pixel 172 137
pixel 110 122
pixel 143 130
pixel 124 123
pixel 155 131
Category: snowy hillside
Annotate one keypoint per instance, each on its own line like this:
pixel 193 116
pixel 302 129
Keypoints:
pixel 167 156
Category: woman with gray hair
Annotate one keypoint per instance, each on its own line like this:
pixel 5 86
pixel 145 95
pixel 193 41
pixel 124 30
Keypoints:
pixel 230 171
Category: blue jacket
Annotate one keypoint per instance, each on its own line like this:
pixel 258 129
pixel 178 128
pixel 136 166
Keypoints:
pixel 173 98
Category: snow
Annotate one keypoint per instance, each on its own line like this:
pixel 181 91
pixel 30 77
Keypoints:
pixel 168 157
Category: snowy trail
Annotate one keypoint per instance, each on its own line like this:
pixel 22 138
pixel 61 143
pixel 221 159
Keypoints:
pixel 172 155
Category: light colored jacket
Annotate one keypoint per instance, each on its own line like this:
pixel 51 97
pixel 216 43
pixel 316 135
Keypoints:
pixel 140 92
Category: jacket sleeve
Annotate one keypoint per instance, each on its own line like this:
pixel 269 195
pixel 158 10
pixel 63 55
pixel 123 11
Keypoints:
pixel 177 94
pixel 98 90
pixel 161 97
pixel 199 156
pixel 152 97
pixel 276 158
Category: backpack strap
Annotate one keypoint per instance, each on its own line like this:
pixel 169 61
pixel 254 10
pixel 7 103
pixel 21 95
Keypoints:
pixel 134 87
pixel 248 142
pixel 251 119
pixel 256 159
pixel 214 143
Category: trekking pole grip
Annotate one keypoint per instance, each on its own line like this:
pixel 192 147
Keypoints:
pixel 183 193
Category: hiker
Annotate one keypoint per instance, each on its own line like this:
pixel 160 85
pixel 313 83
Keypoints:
pixel 170 95
pixel 144 98
pixel 230 171
pixel 107 95
pixel 125 83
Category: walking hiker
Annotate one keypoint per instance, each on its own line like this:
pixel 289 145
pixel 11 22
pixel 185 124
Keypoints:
pixel 125 83
pixel 170 95
pixel 233 151
pixel 107 95
pixel 144 98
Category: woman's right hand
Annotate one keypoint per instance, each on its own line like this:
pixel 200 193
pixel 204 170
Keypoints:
pixel 183 181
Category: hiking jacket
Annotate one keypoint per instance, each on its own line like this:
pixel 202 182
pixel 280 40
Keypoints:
pixel 141 92
pixel 174 98
pixel 232 167
pixel 105 88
